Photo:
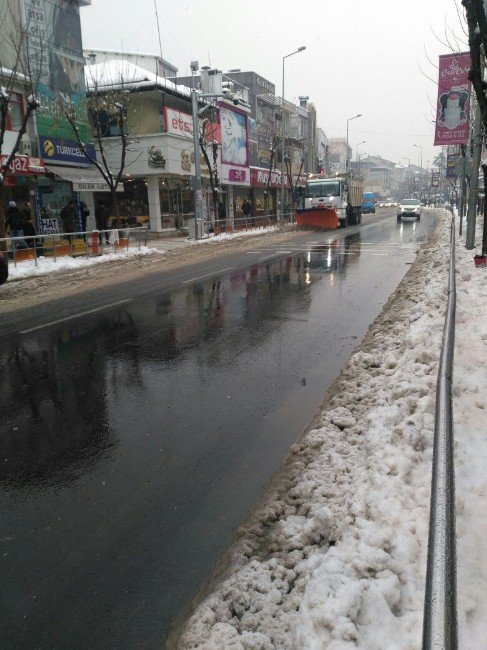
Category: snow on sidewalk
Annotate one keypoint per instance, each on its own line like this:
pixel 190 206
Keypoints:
pixel 335 555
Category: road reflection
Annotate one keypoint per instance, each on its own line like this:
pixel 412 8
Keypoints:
pixel 55 386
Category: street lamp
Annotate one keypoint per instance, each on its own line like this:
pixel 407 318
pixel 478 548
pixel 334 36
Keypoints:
pixel 356 149
pixel 349 119
pixel 420 147
pixel 300 49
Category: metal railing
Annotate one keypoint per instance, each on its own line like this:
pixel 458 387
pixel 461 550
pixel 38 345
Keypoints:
pixel 440 604
pixel 248 223
pixel 75 244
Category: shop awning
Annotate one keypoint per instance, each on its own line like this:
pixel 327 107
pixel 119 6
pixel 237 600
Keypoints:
pixel 83 179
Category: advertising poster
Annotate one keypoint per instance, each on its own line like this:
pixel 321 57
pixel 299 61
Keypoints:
pixel 234 137
pixel 56 50
pixel 235 147
pixel 453 107
pixel 451 165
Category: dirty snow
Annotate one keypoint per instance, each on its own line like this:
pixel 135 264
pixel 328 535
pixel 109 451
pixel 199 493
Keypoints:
pixel 335 555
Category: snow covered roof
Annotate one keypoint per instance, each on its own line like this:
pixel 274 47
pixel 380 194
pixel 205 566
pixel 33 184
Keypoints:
pixel 117 73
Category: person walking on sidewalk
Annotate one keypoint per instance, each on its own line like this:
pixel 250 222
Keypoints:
pixel 15 221
pixel 246 211
pixel 69 217
pixel 101 218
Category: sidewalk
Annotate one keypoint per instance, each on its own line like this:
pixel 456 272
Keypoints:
pixel 161 246
pixel 335 554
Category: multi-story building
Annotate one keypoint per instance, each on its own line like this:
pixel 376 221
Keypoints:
pixel 338 154
pixel 56 68
pixel 151 62
pixel 378 173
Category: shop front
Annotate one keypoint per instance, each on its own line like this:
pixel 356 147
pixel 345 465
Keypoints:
pixel 70 176
pixel 265 189
pixel 22 181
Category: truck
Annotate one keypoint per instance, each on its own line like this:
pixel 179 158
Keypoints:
pixel 332 202
pixel 368 202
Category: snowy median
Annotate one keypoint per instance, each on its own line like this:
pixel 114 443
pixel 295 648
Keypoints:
pixel 335 554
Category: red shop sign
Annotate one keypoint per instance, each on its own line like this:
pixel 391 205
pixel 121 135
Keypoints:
pixel 23 165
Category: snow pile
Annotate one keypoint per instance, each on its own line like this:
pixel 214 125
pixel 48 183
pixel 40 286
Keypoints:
pixel 335 555
pixel 51 265
pixel 470 413
pixel 235 235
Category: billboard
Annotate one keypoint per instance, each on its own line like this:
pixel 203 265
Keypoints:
pixel 56 53
pixel 453 106
pixel 235 147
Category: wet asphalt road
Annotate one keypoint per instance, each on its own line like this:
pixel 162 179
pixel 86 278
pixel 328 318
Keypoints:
pixel 135 439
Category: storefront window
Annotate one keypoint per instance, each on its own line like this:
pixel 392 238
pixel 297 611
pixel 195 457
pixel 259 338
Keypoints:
pixel 132 202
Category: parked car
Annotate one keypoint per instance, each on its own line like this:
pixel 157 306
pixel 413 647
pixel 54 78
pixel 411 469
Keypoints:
pixel 3 267
pixel 409 209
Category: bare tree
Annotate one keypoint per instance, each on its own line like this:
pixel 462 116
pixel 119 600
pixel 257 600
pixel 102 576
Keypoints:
pixel 209 145
pixel 477 41
pixel 19 73
pixel 108 109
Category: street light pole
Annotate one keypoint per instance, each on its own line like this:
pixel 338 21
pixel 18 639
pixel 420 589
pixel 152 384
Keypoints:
pixel 356 149
pixel 197 192
pixel 281 213
pixel 349 119
pixel 420 147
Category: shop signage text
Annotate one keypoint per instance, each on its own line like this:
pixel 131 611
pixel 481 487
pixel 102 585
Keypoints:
pixel 23 165
pixel 64 151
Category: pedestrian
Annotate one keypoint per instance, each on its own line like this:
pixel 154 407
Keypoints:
pixel 29 226
pixel 69 218
pixel 15 221
pixel 85 213
pixel 101 218
pixel 246 210
pixel 222 214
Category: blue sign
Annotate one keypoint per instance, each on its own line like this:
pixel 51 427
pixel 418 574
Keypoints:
pixel 64 151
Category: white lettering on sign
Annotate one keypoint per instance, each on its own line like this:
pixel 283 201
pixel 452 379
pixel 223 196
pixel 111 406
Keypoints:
pixel 49 226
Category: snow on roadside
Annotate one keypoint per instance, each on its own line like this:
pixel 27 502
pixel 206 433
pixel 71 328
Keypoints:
pixel 212 239
pixel 470 415
pixel 334 557
pixel 50 265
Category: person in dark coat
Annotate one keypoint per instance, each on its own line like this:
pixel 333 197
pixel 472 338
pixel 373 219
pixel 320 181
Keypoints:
pixel 101 218
pixel 222 213
pixel 246 210
pixel 29 226
pixel 85 213
pixel 69 217
pixel 15 221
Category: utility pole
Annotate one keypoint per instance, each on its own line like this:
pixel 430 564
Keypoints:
pixel 463 186
pixel 197 191
pixel 474 180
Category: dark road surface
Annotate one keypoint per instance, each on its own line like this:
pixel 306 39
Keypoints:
pixel 136 438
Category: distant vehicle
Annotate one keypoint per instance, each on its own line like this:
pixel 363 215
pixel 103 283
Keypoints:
pixel 382 204
pixel 368 203
pixel 409 209
pixel 3 267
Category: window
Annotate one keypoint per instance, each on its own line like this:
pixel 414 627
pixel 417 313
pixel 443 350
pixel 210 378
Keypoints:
pixel 16 112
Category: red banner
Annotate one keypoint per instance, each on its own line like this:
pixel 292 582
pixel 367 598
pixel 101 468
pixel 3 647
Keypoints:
pixel 453 108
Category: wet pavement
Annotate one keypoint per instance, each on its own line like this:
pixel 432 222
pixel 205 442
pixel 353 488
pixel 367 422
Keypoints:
pixel 136 439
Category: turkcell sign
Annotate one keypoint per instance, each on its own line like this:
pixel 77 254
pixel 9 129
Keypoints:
pixel 64 152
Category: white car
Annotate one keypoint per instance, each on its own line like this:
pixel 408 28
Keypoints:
pixel 409 209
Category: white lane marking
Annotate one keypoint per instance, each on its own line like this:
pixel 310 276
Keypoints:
pixel 253 252
pixel 83 313
pixel 380 254
pixel 208 275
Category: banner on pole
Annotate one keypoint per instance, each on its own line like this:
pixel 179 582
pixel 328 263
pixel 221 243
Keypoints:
pixel 453 107
pixel 451 165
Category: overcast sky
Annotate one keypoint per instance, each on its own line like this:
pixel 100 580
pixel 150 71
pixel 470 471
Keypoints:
pixel 362 57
